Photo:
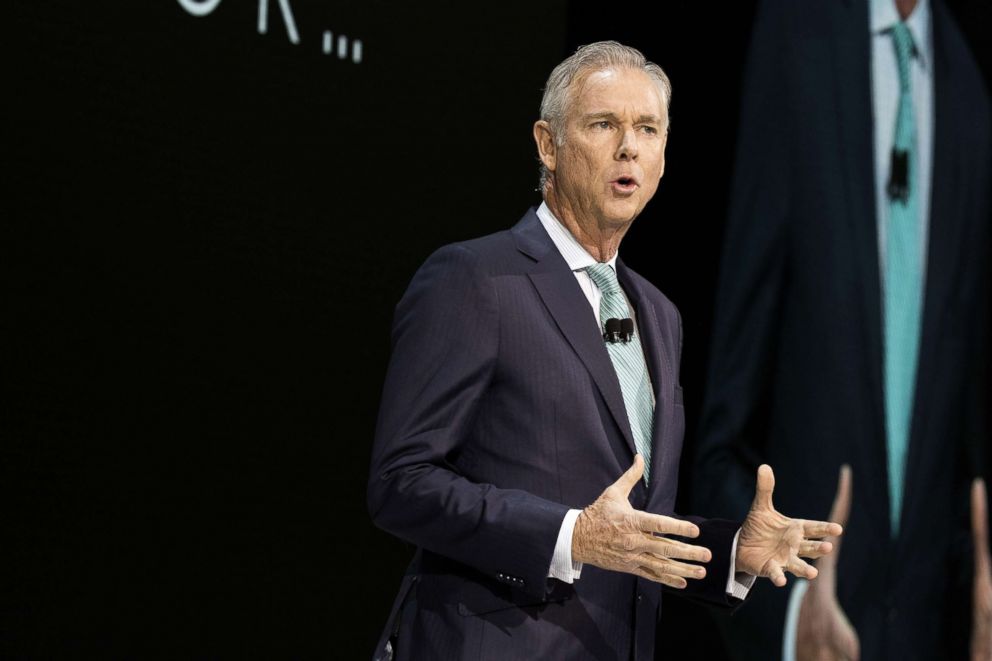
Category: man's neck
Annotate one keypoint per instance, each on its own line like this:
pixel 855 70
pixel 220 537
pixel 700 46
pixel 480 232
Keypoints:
pixel 601 243
pixel 905 8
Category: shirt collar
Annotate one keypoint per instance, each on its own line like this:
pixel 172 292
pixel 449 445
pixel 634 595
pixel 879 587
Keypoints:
pixel 577 257
pixel 884 16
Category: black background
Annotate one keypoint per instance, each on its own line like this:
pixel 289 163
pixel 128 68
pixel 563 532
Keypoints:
pixel 207 231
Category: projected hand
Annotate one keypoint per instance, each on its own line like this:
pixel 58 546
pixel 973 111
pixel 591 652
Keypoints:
pixel 981 623
pixel 771 543
pixel 824 632
pixel 613 535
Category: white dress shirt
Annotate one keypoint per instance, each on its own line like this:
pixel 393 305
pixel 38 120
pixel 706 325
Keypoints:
pixel 578 258
pixel 885 108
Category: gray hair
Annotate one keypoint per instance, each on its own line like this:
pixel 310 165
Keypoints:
pixel 593 57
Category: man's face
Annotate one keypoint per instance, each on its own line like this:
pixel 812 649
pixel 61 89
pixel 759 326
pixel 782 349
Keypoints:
pixel 613 155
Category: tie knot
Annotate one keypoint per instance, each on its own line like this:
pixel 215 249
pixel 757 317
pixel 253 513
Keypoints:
pixel 902 39
pixel 605 278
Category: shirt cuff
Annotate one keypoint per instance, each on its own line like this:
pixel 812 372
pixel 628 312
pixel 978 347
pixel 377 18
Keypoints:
pixel 792 619
pixel 562 566
pixel 738 583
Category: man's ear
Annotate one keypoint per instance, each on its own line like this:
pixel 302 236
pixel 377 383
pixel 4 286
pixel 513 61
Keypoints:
pixel 546 147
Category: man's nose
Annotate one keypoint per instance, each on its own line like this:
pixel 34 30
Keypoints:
pixel 627 149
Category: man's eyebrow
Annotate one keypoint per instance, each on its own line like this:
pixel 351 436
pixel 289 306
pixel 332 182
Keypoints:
pixel 606 114
pixel 602 114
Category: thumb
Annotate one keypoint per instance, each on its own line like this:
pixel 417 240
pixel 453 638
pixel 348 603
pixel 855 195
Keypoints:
pixel 839 513
pixel 841 509
pixel 980 527
pixel 763 489
pixel 849 644
pixel 631 476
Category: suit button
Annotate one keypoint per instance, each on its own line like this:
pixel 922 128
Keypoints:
pixel 640 598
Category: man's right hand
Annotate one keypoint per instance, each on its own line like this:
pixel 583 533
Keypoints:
pixel 824 632
pixel 611 534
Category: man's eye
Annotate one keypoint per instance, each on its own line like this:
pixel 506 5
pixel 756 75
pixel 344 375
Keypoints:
pixel 650 130
pixel 602 125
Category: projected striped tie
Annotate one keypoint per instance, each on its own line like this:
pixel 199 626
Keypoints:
pixel 903 282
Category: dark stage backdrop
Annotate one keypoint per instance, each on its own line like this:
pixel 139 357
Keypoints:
pixel 212 226
pixel 211 209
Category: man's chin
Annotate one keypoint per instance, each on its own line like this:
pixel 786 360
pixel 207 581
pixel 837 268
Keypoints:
pixel 622 214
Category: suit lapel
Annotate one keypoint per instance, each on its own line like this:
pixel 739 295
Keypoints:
pixel 855 142
pixel 944 241
pixel 561 294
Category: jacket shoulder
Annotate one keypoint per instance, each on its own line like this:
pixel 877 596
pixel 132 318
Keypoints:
pixel 484 255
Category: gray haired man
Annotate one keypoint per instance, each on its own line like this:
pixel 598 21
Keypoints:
pixel 531 422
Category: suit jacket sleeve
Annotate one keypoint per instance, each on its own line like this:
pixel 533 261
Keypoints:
pixel 718 536
pixel 444 357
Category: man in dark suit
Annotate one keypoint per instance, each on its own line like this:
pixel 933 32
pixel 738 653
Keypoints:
pixel 850 325
pixel 509 418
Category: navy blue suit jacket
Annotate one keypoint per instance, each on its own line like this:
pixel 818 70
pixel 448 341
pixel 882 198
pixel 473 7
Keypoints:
pixel 501 410
pixel 795 375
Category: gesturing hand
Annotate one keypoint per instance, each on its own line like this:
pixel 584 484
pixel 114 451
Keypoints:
pixel 824 632
pixel 981 623
pixel 613 535
pixel 771 543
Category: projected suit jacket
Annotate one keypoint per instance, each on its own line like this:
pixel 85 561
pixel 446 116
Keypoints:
pixel 501 410
pixel 796 360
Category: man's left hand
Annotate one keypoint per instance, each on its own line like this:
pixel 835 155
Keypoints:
pixel 771 543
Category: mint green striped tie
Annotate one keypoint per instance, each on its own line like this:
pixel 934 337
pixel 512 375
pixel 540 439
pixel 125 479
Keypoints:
pixel 628 361
pixel 903 283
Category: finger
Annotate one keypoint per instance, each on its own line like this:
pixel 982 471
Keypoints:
pixel 676 582
pixel 814 549
pixel 631 476
pixel 666 525
pixel 673 567
pixel 776 575
pixel 670 548
pixel 841 508
pixel 979 527
pixel 801 569
pixel 820 529
pixel 764 487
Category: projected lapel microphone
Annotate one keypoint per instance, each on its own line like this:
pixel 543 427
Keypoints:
pixel 898 188
pixel 618 330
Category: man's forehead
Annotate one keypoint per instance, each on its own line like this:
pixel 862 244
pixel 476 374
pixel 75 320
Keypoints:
pixel 605 90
